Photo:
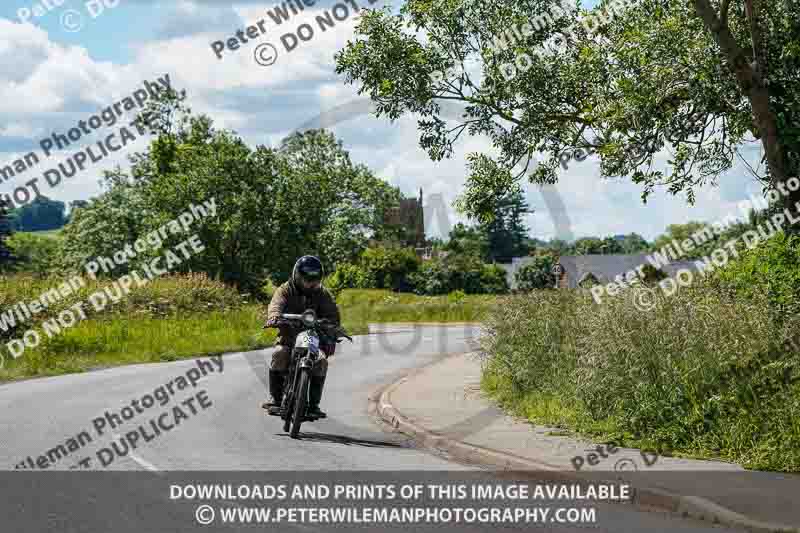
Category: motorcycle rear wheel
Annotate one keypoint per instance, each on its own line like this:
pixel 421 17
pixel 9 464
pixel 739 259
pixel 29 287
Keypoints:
pixel 300 399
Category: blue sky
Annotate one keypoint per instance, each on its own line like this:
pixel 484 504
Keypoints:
pixel 54 77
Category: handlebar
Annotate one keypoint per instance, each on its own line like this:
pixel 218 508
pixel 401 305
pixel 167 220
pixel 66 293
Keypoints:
pixel 309 320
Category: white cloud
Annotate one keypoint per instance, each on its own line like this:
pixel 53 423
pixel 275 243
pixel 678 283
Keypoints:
pixel 49 85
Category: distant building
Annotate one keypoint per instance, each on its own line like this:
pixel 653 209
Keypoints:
pixel 584 270
pixel 410 215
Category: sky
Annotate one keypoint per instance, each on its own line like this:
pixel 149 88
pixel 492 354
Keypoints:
pixel 66 60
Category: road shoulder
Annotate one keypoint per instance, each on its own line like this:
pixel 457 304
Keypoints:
pixel 442 408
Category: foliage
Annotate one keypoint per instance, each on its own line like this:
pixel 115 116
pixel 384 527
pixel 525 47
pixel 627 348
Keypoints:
pixel 651 274
pixel 494 280
pixel 649 75
pixel 41 214
pixel 771 269
pixel 349 276
pixel 593 245
pixel 459 272
pixel 388 267
pixel 468 240
pixel 268 288
pixel 380 306
pixel 706 237
pixel 209 318
pixel 633 243
pixel 104 226
pixel 6 230
pixel 36 253
pixel 506 232
pixel 456 297
pixel 537 274
pixel 700 374
pixel 375 268
pixel 272 206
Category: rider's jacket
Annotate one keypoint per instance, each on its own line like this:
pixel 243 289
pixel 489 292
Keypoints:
pixel 289 298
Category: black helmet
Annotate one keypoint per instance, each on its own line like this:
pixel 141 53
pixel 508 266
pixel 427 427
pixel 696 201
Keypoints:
pixel 307 268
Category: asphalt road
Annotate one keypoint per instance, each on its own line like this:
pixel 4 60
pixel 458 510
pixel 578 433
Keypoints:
pixel 219 428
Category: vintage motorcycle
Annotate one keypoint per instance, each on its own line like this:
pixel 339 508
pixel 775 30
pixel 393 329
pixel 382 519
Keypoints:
pixel 305 354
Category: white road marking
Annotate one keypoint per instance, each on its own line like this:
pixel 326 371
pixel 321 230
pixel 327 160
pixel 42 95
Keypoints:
pixel 139 460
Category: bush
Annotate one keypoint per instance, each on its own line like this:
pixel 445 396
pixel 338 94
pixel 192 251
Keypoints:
pixel 347 276
pixel 772 268
pixel 37 254
pixel 268 288
pixel 388 267
pixel 377 268
pixel 456 297
pixel 459 272
pixel 536 275
pixel 494 280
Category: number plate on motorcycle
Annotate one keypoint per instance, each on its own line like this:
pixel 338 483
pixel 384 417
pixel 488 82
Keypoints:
pixel 313 342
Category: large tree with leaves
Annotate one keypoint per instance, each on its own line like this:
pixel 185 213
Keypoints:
pixel 272 206
pixel 506 232
pixel 700 79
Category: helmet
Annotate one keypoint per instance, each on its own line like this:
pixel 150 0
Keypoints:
pixel 307 268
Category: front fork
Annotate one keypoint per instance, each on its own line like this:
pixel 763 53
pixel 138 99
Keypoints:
pixel 298 364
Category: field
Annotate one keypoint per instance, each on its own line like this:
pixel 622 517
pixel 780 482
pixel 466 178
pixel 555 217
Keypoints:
pixel 181 317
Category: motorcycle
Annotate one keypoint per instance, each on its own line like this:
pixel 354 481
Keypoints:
pixel 305 354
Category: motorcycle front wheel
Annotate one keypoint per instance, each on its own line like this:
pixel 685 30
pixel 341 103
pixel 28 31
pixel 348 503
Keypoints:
pixel 300 398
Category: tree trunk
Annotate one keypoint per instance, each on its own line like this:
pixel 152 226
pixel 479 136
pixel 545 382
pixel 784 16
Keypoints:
pixel 750 79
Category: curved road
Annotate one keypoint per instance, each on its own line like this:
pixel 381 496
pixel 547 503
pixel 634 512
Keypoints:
pixel 221 429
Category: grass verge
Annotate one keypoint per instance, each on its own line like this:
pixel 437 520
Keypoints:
pixel 183 317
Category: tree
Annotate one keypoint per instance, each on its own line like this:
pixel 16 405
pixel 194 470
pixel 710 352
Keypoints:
pixel 6 257
pixel 41 214
pixel 633 243
pixel 659 74
pixel 272 206
pixel 682 232
pixel 506 232
pixel 537 274
pixel 36 253
pixel 104 226
pixel 468 240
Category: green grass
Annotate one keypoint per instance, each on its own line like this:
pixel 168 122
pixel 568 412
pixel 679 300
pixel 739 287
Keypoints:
pixel 53 233
pixel 189 316
pixel 361 306
pixel 120 341
pixel 701 374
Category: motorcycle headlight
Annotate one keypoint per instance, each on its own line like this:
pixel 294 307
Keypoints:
pixel 309 318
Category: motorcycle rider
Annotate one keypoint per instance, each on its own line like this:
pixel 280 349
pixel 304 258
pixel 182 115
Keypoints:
pixel 303 291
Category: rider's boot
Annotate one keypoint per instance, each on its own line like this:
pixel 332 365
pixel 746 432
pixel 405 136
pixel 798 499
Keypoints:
pixel 276 384
pixel 315 396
